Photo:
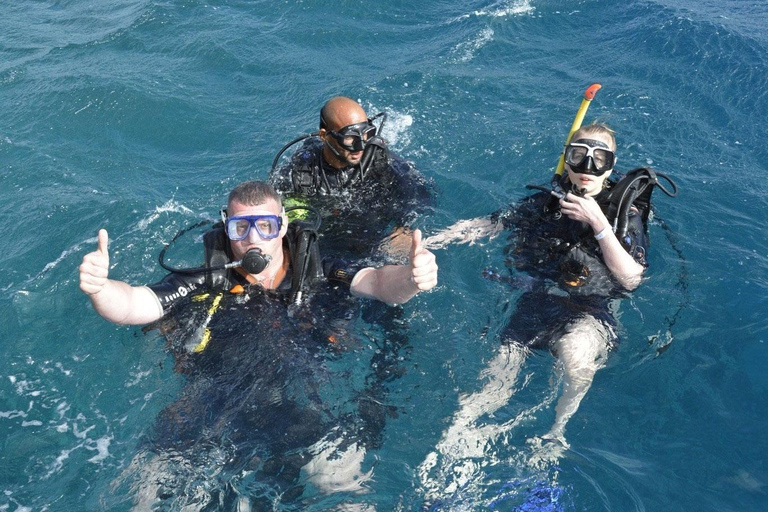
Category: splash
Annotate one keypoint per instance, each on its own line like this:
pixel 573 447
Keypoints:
pixel 502 9
pixel 466 51
pixel 396 129
pixel 170 206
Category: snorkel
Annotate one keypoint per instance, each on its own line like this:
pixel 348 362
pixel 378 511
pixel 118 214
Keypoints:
pixel 555 188
pixel 589 95
pixel 372 144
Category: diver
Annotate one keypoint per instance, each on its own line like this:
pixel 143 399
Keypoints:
pixel 574 250
pixel 256 228
pixel 252 262
pixel 347 171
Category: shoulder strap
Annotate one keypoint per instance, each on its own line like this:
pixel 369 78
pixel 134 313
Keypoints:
pixel 216 247
pixel 306 166
pixel 305 257
pixel 633 189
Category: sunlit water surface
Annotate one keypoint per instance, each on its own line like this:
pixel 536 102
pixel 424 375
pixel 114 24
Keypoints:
pixel 139 116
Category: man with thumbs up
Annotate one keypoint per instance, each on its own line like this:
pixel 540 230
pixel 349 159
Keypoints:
pixel 256 222
pixel 235 378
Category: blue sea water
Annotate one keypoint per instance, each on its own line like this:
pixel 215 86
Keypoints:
pixel 140 115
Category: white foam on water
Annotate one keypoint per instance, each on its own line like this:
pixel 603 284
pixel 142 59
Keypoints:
pixel 102 447
pixel 502 9
pixel 12 414
pixel 57 464
pixel 465 51
pixel 81 434
pixel 137 377
pixel 397 128
pixel 171 205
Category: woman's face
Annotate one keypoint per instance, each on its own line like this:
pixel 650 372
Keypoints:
pixel 589 184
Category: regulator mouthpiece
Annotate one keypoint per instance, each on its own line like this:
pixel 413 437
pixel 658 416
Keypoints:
pixel 254 261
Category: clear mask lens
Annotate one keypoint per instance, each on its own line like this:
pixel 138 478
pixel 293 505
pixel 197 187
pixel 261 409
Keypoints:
pixel 239 227
pixel 354 136
pixel 587 159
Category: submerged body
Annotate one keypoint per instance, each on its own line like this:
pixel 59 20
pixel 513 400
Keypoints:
pixel 575 269
pixel 253 399
pixel 568 278
pixel 274 395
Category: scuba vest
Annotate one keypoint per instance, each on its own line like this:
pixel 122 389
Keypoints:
pixel 306 265
pixel 308 171
pixel 622 199
pixel 627 206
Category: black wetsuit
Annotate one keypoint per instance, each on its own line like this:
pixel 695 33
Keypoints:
pixel 558 262
pixel 266 385
pixel 357 212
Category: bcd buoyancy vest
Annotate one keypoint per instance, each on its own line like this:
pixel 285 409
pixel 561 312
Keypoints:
pixel 309 172
pixel 582 270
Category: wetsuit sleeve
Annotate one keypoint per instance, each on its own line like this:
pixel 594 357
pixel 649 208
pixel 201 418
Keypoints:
pixel 636 240
pixel 175 287
pixel 339 271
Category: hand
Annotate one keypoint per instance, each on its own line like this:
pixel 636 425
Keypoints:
pixel 584 209
pixel 423 265
pixel 94 271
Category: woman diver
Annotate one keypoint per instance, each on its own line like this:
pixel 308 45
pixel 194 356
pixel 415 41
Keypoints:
pixel 582 246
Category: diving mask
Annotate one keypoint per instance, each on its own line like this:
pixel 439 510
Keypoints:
pixel 588 156
pixel 239 226
pixel 353 137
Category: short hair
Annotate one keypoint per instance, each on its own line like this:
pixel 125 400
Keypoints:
pixel 595 129
pixel 253 193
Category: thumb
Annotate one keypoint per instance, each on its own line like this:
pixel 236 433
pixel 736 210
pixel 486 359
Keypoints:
pixel 103 242
pixel 415 243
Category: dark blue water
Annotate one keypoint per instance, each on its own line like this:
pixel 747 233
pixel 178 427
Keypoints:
pixel 139 116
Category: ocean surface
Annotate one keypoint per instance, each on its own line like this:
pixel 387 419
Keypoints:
pixel 140 115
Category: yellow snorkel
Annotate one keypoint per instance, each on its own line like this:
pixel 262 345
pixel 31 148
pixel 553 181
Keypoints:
pixel 589 94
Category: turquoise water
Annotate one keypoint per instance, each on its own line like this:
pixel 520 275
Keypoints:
pixel 139 116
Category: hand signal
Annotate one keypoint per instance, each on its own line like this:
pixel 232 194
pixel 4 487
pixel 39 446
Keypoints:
pixel 94 270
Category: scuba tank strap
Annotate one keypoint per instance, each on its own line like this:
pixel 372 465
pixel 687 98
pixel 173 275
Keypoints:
pixel 217 254
pixel 305 174
pixel 635 189
pixel 305 258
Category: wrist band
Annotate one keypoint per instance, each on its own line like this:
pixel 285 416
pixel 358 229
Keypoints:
pixel 601 234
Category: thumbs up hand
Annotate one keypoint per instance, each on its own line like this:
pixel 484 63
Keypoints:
pixel 94 270
pixel 423 265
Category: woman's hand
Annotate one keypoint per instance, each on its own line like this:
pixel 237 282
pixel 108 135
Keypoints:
pixel 584 209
